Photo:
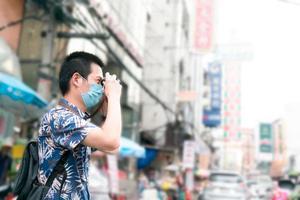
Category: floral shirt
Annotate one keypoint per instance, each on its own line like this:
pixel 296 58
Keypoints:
pixel 64 128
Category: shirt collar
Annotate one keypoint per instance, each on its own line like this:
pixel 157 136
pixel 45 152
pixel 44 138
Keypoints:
pixel 72 108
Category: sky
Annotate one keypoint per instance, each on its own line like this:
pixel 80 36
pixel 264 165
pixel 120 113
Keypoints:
pixel 270 31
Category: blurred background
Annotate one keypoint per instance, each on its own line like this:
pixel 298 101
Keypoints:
pixel 210 105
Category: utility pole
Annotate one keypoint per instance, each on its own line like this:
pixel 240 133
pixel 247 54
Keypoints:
pixel 46 68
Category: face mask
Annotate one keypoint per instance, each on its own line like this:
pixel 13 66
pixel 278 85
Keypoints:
pixel 93 96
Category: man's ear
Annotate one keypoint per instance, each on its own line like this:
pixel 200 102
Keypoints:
pixel 76 80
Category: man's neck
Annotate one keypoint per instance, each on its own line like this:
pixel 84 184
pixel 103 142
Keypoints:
pixel 75 102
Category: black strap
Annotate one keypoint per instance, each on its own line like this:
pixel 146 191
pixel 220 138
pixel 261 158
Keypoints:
pixel 87 115
pixel 69 108
pixel 58 169
pixel 60 166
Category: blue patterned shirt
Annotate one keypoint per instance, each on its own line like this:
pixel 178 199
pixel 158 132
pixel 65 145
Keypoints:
pixel 61 130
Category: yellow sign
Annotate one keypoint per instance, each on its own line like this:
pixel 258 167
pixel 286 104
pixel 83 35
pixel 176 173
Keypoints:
pixel 17 151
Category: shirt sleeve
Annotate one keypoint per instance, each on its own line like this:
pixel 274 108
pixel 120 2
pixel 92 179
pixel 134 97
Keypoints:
pixel 70 130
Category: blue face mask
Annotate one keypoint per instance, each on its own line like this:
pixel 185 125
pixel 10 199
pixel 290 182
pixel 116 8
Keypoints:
pixel 93 96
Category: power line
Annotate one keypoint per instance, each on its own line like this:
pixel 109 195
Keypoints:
pixel 146 51
pixel 13 23
pixel 127 28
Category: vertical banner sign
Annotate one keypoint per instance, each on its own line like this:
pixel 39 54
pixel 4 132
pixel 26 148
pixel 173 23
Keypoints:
pixel 189 154
pixel 212 115
pixel 113 174
pixel 204 25
pixel 266 138
pixel 232 101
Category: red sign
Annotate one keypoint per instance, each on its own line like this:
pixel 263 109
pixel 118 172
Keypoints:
pixel 204 24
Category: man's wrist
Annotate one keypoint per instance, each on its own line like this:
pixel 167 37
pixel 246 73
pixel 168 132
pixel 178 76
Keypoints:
pixel 113 98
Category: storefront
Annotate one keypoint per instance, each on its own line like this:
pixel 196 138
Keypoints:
pixel 20 107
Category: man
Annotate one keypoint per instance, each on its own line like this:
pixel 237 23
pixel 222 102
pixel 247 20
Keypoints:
pixel 5 160
pixel 65 129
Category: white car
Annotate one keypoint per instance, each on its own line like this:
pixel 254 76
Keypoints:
pixel 225 185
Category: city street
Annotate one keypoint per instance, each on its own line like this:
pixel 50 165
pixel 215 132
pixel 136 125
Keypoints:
pixel 149 100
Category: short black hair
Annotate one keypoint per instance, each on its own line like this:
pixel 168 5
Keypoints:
pixel 79 62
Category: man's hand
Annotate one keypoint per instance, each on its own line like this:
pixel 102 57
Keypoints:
pixel 112 87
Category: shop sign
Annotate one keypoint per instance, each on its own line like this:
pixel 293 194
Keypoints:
pixel 18 151
pixel 187 96
pixel 189 154
pixel 266 139
pixel 204 24
pixel 231 102
pixel 212 115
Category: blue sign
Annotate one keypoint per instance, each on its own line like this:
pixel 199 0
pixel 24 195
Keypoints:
pixel 211 118
pixel 212 115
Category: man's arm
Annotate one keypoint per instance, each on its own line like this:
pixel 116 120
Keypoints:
pixel 116 151
pixel 107 138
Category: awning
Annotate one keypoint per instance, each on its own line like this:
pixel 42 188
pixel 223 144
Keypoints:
pixel 130 148
pixel 17 97
pixel 150 155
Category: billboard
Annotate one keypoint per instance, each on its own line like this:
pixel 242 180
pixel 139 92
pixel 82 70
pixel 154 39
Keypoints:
pixel 266 138
pixel 212 114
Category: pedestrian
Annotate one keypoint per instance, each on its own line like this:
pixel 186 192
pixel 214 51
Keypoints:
pixel 5 160
pixel 278 193
pixel 66 130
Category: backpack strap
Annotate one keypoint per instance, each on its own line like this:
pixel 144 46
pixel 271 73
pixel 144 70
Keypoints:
pixel 58 169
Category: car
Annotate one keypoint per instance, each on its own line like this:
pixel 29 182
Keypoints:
pixel 261 186
pixel 224 192
pixel 286 185
pixel 225 185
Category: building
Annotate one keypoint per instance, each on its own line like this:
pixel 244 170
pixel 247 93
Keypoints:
pixel 46 32
pixel 280 161
pixel 17 110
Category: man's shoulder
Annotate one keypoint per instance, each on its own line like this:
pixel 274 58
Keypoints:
pixel 59 114
pixel 54 114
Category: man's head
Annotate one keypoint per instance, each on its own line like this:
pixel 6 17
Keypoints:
pixel 80 71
